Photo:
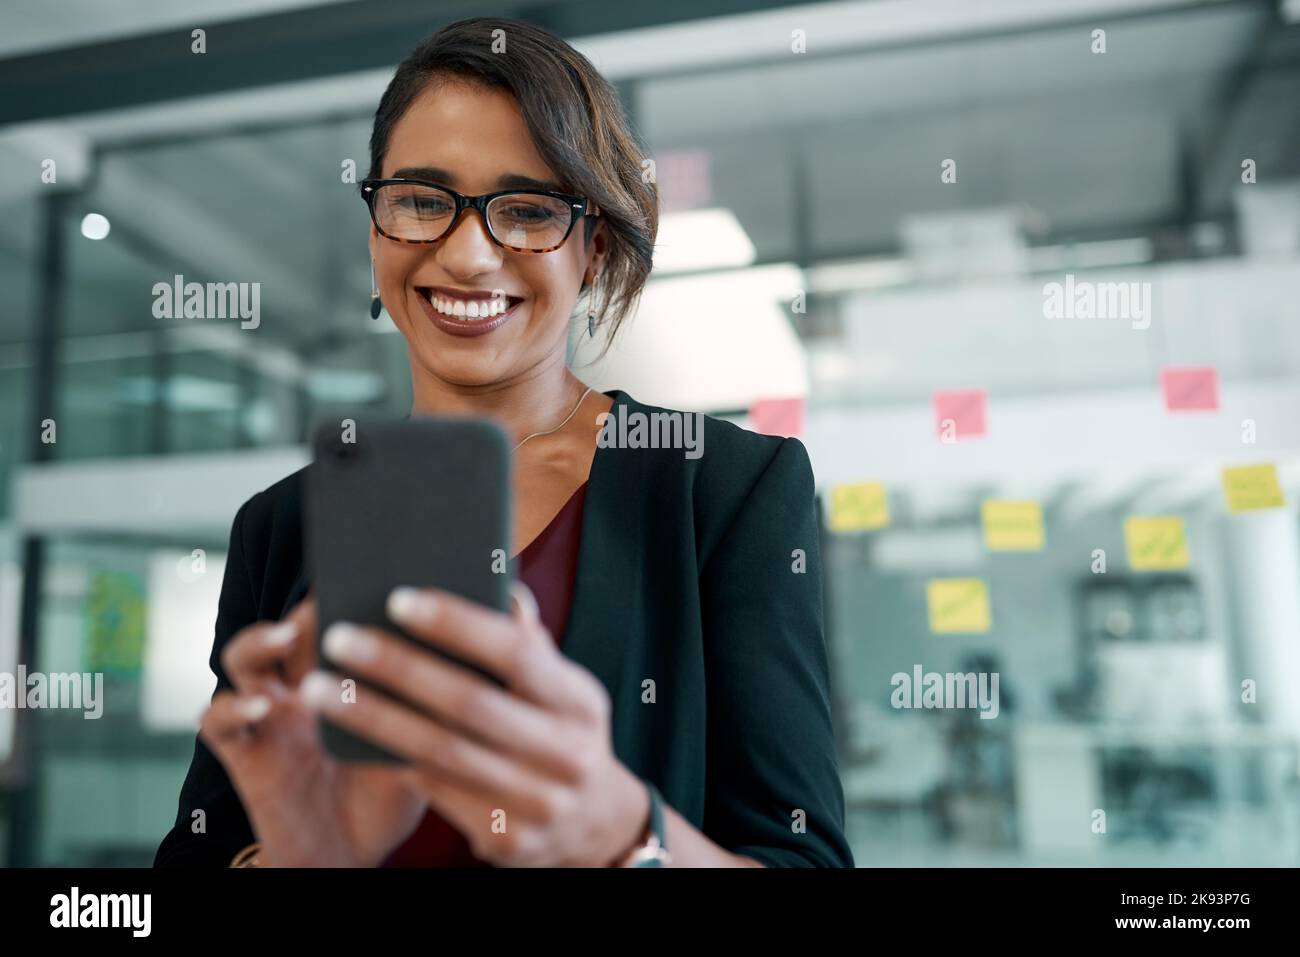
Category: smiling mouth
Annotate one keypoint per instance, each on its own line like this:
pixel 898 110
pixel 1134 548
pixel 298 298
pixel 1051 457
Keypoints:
pixel 465 307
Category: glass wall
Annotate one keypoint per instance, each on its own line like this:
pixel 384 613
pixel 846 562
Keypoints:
pixel 108 775
pixel 145 379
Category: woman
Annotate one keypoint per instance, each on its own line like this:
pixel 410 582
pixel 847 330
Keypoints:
pixel 665 695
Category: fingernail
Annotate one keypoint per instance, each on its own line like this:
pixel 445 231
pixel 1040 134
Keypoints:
pixel 280 634
pixel 344 641
pixel 410 604
pixel 319 690
pixel 254 709
pixel 527 603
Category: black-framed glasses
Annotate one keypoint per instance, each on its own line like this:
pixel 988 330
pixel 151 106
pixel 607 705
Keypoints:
pixel 525 220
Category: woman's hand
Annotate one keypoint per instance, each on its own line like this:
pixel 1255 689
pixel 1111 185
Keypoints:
pixel 526 773
pixel 306 809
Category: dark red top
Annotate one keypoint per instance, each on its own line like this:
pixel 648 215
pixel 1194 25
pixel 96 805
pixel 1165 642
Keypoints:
pixel 548 566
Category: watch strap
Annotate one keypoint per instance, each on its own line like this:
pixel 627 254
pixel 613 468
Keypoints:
pixel 653 849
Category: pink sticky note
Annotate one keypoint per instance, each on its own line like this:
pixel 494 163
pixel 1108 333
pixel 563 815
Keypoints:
pixel 777 416
pixel 1190 388
pixel 961 414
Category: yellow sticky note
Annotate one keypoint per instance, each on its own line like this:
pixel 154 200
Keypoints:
pixel 1012 526
pixel 1251 487
pixel 958 605
pixel 858 507
pixel 1156 543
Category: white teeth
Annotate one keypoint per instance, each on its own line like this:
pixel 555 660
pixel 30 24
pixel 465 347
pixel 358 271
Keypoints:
pixel 471 309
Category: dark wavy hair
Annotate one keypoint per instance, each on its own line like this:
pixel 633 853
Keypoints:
pixel 577 124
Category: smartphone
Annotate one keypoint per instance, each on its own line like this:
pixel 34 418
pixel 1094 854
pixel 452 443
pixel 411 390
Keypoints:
pixel 424 502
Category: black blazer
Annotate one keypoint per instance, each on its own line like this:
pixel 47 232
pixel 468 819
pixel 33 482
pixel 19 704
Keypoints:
pixel 688 574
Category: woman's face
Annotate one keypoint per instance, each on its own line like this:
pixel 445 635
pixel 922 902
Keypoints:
pixel 476 138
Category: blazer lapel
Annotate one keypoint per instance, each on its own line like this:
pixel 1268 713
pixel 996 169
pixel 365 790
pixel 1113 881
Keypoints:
pixel 300 586
pixel 606 593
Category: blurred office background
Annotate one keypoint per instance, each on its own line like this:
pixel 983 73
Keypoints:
pixel 810 249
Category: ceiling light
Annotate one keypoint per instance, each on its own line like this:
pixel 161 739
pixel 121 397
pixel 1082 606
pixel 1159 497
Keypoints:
pixel 700 239
pixel 94 226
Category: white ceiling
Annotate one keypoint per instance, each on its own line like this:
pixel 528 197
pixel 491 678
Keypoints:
pixel 967 75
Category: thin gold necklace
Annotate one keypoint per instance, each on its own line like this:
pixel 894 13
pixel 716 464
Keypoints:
pixel 558 427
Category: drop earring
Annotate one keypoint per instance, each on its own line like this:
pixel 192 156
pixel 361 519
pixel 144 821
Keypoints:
pixel 591 309
pixel 375 304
